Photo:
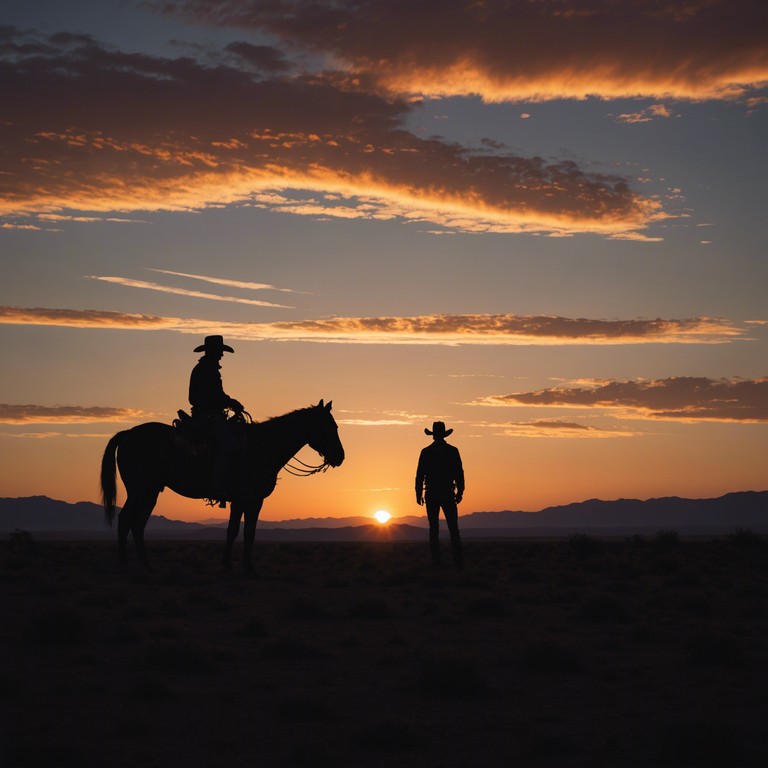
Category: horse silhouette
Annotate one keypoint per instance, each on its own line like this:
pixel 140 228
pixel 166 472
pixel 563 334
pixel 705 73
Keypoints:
pixel 150 459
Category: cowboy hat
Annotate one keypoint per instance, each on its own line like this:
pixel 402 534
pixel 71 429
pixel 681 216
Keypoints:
pixel 214 344
pixel 438 430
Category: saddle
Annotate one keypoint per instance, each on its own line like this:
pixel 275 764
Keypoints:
pixel 192 437
pixel 194 449
pixel 189 438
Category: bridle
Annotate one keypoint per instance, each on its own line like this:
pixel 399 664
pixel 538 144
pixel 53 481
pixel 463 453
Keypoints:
pixel 304 470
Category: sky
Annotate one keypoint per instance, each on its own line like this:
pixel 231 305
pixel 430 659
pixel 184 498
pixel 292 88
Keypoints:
pixel 538 221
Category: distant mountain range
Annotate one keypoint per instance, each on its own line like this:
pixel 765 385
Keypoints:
pixel 747 509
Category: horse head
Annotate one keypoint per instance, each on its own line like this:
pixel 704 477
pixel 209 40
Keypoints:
pixel 324 435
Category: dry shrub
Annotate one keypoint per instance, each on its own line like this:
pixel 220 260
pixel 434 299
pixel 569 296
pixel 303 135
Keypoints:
pixel 289 648
pixel 178 656
pixel 374 608
pixel 666 540
pixel 548 656
pixel 711 742
pixel 585 546
pixel 301 608
pixel 388 736
pixel 486 606
pixel 151 688
pixel 300 708
pixel 714 647
pixel 35 750
pixel 603 608
pixel 56 626
pixel 448 677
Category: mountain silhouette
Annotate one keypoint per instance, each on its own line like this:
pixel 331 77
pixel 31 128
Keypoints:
pixel 745 509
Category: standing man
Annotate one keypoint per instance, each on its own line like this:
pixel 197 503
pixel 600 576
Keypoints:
pixel 209 405
pixel 441 471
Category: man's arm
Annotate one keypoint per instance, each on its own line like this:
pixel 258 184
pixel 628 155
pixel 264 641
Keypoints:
pixel 421 473
pixel 459 477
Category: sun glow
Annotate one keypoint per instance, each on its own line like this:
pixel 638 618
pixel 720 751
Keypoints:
pixel 382 516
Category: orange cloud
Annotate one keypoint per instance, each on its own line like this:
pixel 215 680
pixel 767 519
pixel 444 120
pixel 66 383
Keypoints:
pixel 653 112
pixel 109 131
pixel 64 414
pixel 427 329
pixel 677 399
pixel 522 51
pixel 560 429
pixel 47 435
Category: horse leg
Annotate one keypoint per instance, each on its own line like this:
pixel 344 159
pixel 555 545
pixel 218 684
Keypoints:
pixel 249 534
pixel 140 514
pixel 123 529
pixel 232 530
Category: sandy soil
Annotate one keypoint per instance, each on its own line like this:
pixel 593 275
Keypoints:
pixel 645 652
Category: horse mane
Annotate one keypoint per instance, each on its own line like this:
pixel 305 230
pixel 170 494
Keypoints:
pixel 275 422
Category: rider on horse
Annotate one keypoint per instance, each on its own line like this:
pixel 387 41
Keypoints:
pixel 209 405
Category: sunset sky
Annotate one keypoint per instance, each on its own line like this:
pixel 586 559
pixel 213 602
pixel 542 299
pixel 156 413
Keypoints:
pixel 541 222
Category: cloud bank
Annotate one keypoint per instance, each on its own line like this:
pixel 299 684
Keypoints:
pixel 684 398
pixel 64 414
pixel 521 50
pixel 428 329
pixel 90 128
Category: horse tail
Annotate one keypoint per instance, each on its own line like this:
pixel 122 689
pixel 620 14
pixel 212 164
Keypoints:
pixel 108 477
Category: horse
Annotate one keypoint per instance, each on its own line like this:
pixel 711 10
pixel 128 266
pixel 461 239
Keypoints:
pixel 149 460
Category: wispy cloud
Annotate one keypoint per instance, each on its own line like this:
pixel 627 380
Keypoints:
pixel 64 414
pixel 428 329
pixel 129 283
pixel 559 430
pixel 375 422
pixel 115 132
pixel 677 399
pixel 523 51
pixel 48 435
pixel 30 227
pixel 89 219
pixel 654 112
pixel 247 285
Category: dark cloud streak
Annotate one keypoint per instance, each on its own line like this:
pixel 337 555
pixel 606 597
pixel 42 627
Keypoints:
pixel 427 329
pixel 684 398
pixel 522 50
pixel 64 414
pixel 88 127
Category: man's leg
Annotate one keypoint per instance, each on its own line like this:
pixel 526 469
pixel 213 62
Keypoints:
pixel 433 515
pixel 224 458
pixel 451 513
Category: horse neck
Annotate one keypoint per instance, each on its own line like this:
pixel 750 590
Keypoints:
pixel 286 435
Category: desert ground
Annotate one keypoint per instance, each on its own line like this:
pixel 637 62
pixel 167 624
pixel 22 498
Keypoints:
pixel 647 651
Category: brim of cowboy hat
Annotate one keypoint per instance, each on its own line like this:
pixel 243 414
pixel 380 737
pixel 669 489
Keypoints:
pixel 444 434
pixel 223 348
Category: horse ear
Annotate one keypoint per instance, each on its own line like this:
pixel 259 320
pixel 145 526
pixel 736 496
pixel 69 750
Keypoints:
pixel 320 404
pixel 328 407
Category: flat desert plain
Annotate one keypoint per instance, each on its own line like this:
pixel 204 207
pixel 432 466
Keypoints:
pixel 575 652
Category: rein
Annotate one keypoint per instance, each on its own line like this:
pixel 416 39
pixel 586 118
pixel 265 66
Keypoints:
pixel 305 470
pixel 295 466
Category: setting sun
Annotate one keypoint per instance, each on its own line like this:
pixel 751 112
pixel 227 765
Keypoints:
pixel 382 516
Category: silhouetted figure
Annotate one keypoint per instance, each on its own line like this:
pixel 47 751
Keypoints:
pixel 440 469
pixel 209 411
pixel 149 460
